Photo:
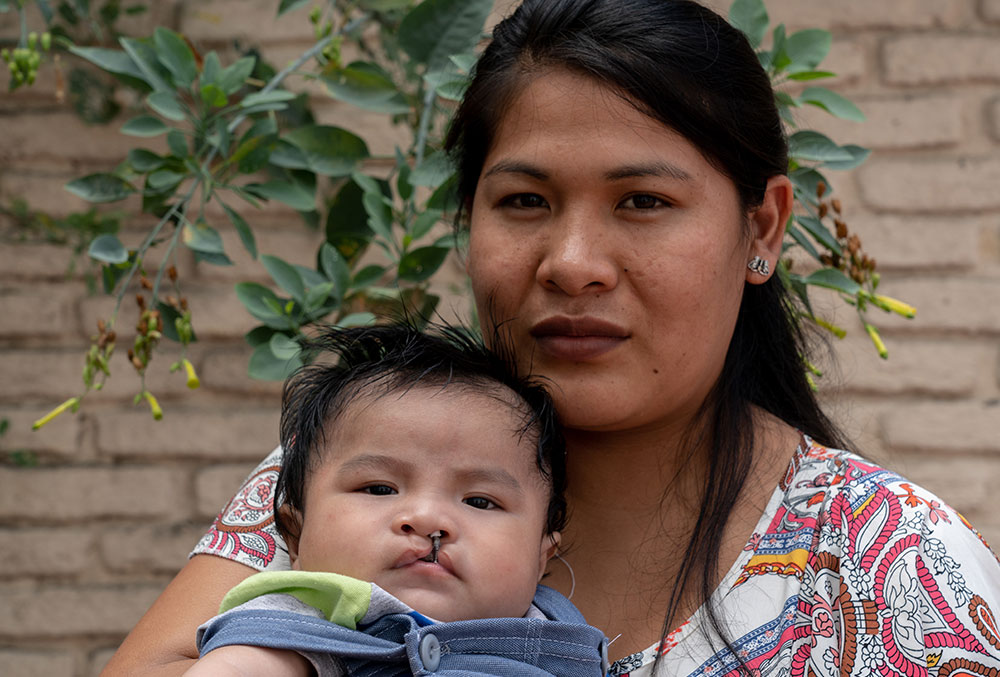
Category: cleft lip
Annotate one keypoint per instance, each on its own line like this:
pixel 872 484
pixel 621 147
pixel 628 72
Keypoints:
pixel 578 327
pixel 424 557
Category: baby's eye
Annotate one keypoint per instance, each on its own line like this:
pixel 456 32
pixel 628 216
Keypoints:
pixel 379 490
pixel 643 201
pixel 524 201
pixel 481 503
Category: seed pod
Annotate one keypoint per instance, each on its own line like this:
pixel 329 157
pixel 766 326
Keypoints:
pixel 841 229
pixel 854 244
pixel 172 273
pixel 184 304
pixel 137 363
pixel 112 336
pixel 101 326
pixel 835 203
pixel 172 301
pixel 146 284
pixel 820 189
pixel 823 209
pixel 140 301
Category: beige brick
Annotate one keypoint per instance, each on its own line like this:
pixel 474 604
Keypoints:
pixel 45 552
pixel 98 660
pixel 216 485
pixel 990 10
pixel 22 663
pixel 229 432
pixel 378 131
pixel 917 59
pixel 155 549
pixel 61 139
pixel 964 305
pixel 860 14
pixel 967 483
pixel 291 242
pixel 226 370
pixel 47 192
pixel 78 494
pixel 908 122
pixel 48 262
pixel 223 20
pixel 60 436
pixel 159 13
pixel 993 115
pixel 39 310
pixel 931 185
pixel 83 611
pixel 944 427
pixel 922 243
pixel 218 314
pixel 941 368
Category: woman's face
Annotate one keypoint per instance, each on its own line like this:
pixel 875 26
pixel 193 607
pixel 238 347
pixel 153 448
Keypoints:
pixel 612 250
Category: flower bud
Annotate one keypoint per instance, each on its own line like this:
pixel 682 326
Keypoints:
pixel 883 352
pixel 154 406
pixel 192 376
pixel 896 306
pixel 72 403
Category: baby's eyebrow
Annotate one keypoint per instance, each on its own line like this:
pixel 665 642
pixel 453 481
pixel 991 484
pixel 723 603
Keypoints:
pixel 375 462
pixel 490 476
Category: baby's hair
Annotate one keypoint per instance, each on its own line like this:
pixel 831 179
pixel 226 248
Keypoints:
pixel 377 361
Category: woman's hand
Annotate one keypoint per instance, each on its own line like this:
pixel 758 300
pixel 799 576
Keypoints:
pixel 163 642
pixel 251 661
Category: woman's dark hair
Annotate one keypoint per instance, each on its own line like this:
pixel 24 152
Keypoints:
pixel 685 66
pixel 378 361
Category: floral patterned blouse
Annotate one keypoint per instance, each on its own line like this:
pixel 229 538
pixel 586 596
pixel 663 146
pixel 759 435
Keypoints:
pixel 850 571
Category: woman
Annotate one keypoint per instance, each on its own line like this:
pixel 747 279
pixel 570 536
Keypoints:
pixel 622 170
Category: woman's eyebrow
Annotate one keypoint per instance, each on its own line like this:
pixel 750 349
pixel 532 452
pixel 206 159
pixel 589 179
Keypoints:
pixel 514 167
pixel 656 169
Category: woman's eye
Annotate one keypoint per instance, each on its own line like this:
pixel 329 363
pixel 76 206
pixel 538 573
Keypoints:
pixel 643 201
pixel 379 490
pixel 525 201
pixel 480 503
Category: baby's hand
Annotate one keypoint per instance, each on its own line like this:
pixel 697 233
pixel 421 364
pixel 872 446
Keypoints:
pixel 251 661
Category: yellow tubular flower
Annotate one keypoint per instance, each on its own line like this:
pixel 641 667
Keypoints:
pixel 192 377
pixel 71 403
pixel 832 328
pixel 883 352
pixel 896 306
pixel 154 406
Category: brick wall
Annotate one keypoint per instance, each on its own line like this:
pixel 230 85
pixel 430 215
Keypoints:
pixel 97 527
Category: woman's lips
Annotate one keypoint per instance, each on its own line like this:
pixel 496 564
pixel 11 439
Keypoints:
pixel 577 339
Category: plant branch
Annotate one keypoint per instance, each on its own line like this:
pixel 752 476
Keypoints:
pixel 425 123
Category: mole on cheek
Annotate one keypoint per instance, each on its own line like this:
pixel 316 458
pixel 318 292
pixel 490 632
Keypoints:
pixel 656 371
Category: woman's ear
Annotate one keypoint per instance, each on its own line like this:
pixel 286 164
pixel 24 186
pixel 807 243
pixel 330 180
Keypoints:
pixel 547 550
pixel 767 229
pixel 292 519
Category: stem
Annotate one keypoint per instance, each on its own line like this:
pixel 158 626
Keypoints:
pixel 425 123
pixel 23 42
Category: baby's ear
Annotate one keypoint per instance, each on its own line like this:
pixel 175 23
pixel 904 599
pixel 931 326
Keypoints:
pixel 292 520
pixel 549 546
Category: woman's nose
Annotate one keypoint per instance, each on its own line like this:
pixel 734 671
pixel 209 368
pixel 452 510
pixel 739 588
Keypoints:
pixel 578 257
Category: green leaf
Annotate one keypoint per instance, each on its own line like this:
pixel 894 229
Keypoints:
pixel 366 86
pixel 266 366
pixel 433 171
pixel 317 296
pixel 144 125
pixel 357 320
pixel 263 304
pixel 203 238
pixel 420 264
pixel 101 188
pixel 258 336
pixel 810 145
pixel 424 222
pixel 294 194
pixel 335 268
pixel 820 233
pixel 283 347
pixel 167 105
pixel 806 181
pixel 286 276
pixel 289 5
pixel 858 155
pixel 832 103
pixel 111 60
pixel 367 276
pixel 329 151
pixel 164 179
pixel 831 278
pixel 143 160
pixel 403 186
pixel 379 215
pixel 806 49
pixel 144 56
pixel 242 229
pixel 261 98
pixel 445 197
pixel 211 70
pixel 811 75
pixel 384 5
pixel 799 237
pixel 173 52
pixel 107 248
pixel 287 155
pixel 213 258
pixel 177 143
pixel 435 29
pixel 170 314
pixel 235 75
pixel 347 222
pixel 750 16
pixel 213 96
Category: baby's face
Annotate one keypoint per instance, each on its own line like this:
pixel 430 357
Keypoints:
pixel 404 466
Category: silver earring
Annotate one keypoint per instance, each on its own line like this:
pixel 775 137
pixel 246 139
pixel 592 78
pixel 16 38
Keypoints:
pixel 759 266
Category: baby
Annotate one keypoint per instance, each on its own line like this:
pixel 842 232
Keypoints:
pixel 420 500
